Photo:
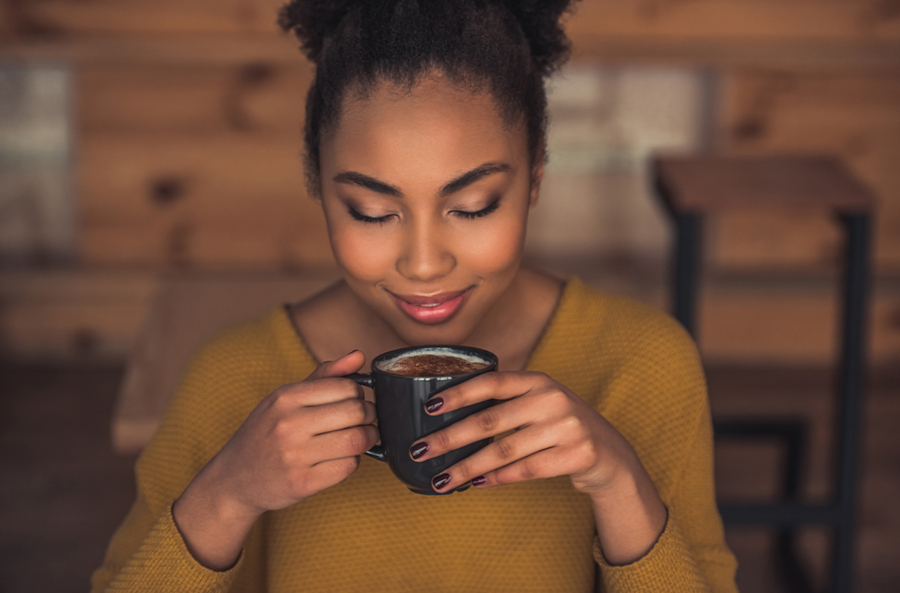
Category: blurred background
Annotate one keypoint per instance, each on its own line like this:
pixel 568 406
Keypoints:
pixel 152 192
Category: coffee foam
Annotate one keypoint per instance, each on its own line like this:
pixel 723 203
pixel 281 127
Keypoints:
pixel 385 365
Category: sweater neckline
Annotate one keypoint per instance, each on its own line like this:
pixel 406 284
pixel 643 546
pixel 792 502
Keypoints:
pixel 292 340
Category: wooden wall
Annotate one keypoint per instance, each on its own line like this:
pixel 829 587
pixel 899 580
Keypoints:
pixel 188 116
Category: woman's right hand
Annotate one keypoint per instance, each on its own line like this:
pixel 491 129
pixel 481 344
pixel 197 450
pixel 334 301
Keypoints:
pixel 299 440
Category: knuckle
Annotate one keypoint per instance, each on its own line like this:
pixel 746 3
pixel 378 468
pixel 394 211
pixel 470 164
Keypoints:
pixel 357 439
pixel 348 465
pixel 487 419
pixel 558 400
pixel 373 436
pixel 498 379
pixel 288 457
pixel 505 449
pixel 587 453
pixel 360 411
pixel 280 399
pixel 442 439
pixel 529 470
pixel 282 429
pixel 462 470
pixel 571 425
pixel 298 484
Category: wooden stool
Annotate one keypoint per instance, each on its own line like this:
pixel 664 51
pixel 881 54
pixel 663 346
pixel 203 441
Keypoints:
pixel 692 187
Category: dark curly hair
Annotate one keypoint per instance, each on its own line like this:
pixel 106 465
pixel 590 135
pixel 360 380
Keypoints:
pixel 506 46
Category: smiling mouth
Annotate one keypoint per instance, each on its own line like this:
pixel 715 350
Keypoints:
pixel 432 309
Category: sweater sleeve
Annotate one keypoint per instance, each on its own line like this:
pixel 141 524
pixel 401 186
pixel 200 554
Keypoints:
pixel 663 410
pixel 147 552
pixel 690 554
pixel 160 561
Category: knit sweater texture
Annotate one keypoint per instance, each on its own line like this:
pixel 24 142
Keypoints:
pixel 634 365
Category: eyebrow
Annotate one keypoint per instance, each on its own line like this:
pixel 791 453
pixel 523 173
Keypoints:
pixel 464 180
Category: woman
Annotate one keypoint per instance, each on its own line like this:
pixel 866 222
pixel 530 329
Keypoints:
pixel 425 139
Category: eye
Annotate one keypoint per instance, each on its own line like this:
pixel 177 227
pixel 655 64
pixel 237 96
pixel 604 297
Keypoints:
pixel 356 215
pixel 483 212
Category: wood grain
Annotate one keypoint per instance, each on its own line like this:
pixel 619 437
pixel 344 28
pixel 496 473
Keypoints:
pixel 853 116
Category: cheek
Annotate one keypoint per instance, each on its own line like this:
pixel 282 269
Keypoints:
pixel 494 247
pixel 362 254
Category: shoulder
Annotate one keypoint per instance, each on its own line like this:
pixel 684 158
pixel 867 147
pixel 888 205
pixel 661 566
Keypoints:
pixel 624 330
pixel 250 357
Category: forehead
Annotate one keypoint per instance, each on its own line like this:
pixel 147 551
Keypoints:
pixel 434 128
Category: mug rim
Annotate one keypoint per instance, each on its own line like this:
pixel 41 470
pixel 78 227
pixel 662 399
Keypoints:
pixel 486 355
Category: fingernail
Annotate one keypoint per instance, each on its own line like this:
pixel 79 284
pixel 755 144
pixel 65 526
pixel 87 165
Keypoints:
pixel 440 480
pixel 418 449
pixel 479 481
pixel 434 404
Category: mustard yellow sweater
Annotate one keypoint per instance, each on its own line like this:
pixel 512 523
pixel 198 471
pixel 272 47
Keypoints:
pixel 636 366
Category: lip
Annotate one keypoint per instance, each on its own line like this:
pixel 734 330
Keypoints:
pixel 431 309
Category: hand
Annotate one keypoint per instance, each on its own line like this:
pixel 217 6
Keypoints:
pixel 299 440
pixel 556 433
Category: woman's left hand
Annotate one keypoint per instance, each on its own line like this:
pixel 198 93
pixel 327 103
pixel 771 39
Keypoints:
pixel 556 434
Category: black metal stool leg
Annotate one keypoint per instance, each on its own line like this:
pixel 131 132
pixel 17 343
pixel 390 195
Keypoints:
pixel 850 397
pixel 688 243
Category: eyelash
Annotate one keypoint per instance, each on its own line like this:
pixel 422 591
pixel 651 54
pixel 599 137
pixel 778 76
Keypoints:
pixel 356 215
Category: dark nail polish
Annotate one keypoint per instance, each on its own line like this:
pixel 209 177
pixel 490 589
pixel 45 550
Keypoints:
pixel 440 480
pixel 418 449
pixel 479 481
pixel 434 404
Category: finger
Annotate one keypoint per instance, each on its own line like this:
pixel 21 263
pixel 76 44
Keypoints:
pixel 481 425
pixel 330 473
pixel 339 415
pixel 351 362
pixel 342 443
pixel 549 463
pixel 497 385
pixel 293 396
pixel 506 451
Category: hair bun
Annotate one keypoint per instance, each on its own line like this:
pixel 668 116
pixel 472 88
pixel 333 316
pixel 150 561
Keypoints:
pixel 540 22
pixel 312 21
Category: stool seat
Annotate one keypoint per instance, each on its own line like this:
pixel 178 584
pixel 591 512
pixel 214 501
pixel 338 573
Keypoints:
pixel 701 184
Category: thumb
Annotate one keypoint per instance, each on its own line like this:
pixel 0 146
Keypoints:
pixel 349 363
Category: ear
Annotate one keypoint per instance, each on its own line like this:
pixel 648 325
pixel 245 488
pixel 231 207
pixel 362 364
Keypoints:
pixel 537 175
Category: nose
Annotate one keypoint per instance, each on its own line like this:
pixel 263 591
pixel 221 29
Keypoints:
pixel 425 256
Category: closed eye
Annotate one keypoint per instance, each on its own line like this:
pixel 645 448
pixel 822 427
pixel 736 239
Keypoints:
pixel 356 215
pixel 478 214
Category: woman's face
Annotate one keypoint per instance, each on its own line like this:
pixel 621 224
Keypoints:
pixel 426 195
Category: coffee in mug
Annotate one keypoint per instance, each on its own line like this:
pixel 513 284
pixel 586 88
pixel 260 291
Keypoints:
pixel 436 363
pixel 403 380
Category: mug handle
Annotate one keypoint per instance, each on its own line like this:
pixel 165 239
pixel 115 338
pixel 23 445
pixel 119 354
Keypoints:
pixel 368 380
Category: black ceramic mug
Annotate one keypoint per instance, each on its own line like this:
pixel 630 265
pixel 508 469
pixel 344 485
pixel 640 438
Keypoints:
pixel 402 420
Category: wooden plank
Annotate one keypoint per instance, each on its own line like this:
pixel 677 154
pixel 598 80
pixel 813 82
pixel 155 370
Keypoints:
pixel 195 200
pixel 151 16
pixel 164 48
pixel 71 315
pixel 856 117
pixel 762 19
pixel 255 97
pixel 789 325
